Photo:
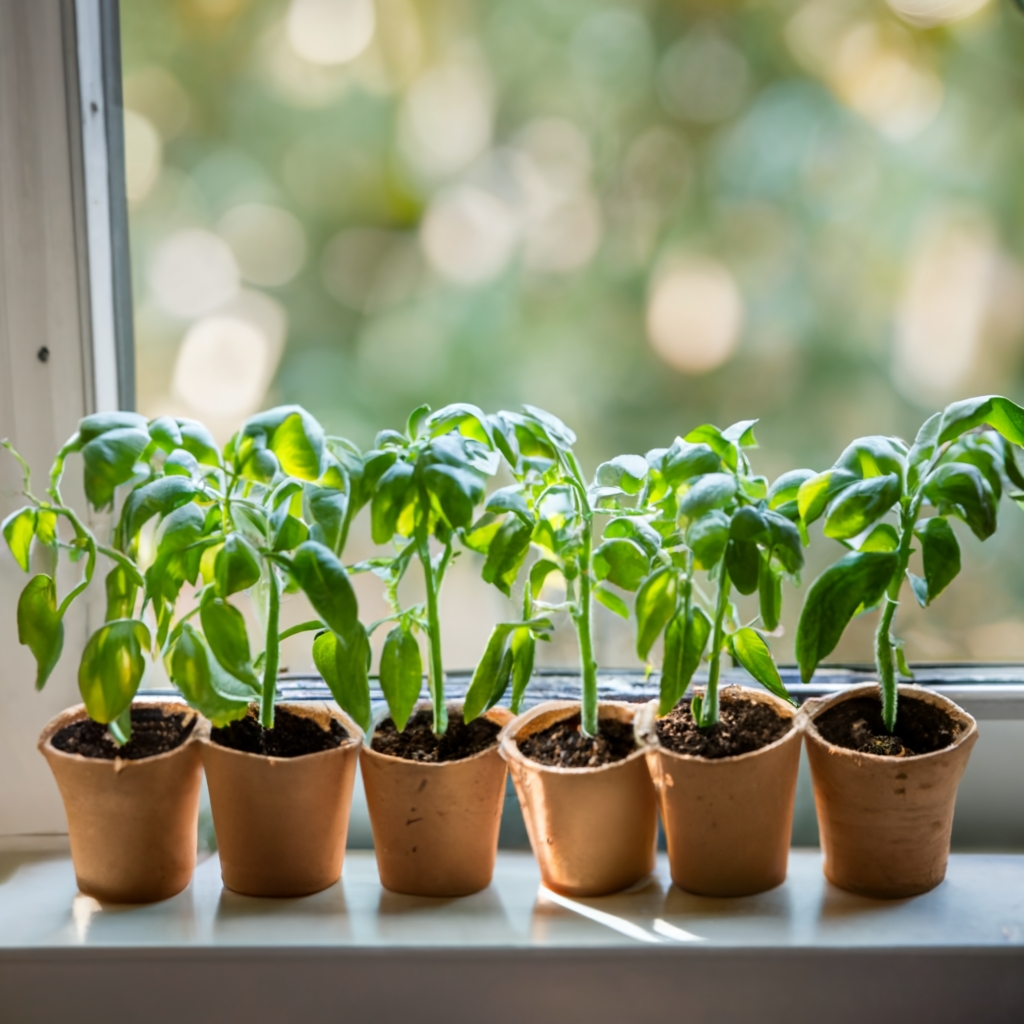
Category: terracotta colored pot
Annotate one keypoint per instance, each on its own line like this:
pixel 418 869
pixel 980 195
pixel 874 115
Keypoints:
pixel 593 830
pixel 885 822
pixel 728 820
pixel 282 822
pixel 435 826
pixel 132 824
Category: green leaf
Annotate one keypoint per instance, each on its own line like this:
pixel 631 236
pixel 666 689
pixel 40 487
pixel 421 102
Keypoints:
pixel 456 492
pixel 388 501
pixel 110 461
pixel 626 472
pixel 874 456
pixel 940 553
pixel 486 675
pixel 344 661
pixel 193 669
pixel 100 423
pixel 237 566
pixel 539 572
pixel 711 491
pixel 156 498
pixel 506 554
pixel 769 586
pixel 479 536
pixel 166 433
pixel 707 537
pixel 999 413
pixel 112 667
pixel 293 435
pixel 722 446
pixel 922 450
pixel 782 495
pixel 750 650
pixel 39 626
pixel 857 580
pixel 325 582
pixel 860 505
pixel 288 532
pixel 46 527
pixel 611 601
pixel 632 528
pixel 882 538
pixel 817 491
pixel 413 426
pixel 401 674
pixel 622 562
pixel 784 541
pixel 655 605
pixel 19 528
pixel 523 647
pixel 224 628
pixel 743 563
pixel 957 488
pixel 327 508
pixel 199 442
pixel 741 433
pixel 509 499
pixel 121 590
pixel 685 641
pixel 683 460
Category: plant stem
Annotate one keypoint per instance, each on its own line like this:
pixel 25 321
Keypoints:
pixel 709 705
pixel 583 616
pixel 273 652
pixel 435 666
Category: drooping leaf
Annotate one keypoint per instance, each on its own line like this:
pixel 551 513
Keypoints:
pixel 611 601
pixel 192 669
pixel 327 508
pixel 401 674
pixel 622 562
pixel 655 605
pixel 99 423
pixel 957 488
pixel 997 412
pixel 686 637
pixel 226 635
pixel 486 674
pixel 509 499
pixel 40 628
pixel 18 529
pixel 344 664
pixel 110 461
pixel 121 589
pixel 743 563
pixel 753 654
pixel 769 587
pixel 940 553
pixel 523 647
pixel 707 537
pixel 455 491
pixel 817 491
pixel 860 505
pixel 112 667
pixel 325 582
pixel 882 538
pixel 539 572
pixel 857 580
pixel 506 554
pixel 389 499
pixel 237 566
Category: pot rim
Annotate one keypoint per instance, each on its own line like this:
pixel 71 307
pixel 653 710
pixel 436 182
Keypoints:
pixel 813 708
pixel 654 745
pixel 355 735
pixel 509 747
pixel 384 712
pixel 77 712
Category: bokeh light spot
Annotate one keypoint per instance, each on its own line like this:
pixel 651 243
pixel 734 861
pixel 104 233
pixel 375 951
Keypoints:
pixel 192 272
pixel 330 31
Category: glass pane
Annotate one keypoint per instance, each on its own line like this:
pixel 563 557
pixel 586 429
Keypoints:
pixel 642 217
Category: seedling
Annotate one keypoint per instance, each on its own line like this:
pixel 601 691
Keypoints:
pixel 877 498
pixel 427 484
pixel 225 522
pixel 703 509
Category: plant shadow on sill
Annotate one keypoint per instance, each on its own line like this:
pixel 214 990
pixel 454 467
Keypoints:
pixel 775 904
pixel 484 904
pixel 233 907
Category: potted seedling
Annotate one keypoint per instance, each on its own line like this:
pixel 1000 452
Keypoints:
pixel 128 771
pixel 271 518
pixel 435 783
pixel 886 759
pixel 724 763
pixel 581 779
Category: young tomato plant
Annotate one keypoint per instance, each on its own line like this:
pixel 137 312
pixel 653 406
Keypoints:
pixel 877 498
pixel 227 522
pixel 426 485
pixel 551 507
pixel 706 510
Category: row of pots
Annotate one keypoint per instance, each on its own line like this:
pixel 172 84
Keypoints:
pixel 281 823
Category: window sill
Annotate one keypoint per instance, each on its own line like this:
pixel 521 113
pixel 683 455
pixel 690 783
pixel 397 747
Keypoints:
pixel 514 950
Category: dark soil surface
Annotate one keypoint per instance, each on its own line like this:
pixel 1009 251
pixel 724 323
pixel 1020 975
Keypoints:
pixel 417 742
pixel 743 726
pixel 563 745
pixel 153 733
pixel 921 728
pixel 292 735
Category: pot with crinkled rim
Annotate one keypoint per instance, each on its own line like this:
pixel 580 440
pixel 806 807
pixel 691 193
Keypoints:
pixel 885 818
pixel 132 810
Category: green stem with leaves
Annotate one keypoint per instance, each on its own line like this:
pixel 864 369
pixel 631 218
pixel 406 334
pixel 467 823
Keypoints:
pixel 273 656
pixel 708 708
pixel 435 666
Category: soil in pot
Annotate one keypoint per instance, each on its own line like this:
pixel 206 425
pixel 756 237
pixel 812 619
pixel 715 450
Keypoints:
pixel 292 736
pixel 563 744
pixel 153 733
pixel 743 726
pixel 417 741
pixel 856 724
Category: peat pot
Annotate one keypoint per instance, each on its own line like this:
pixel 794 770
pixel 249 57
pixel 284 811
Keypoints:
pixel 885 822
pixel 435 824
pixel 593 830
pixel 727 820
pixel 132 824
pixel 282 822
